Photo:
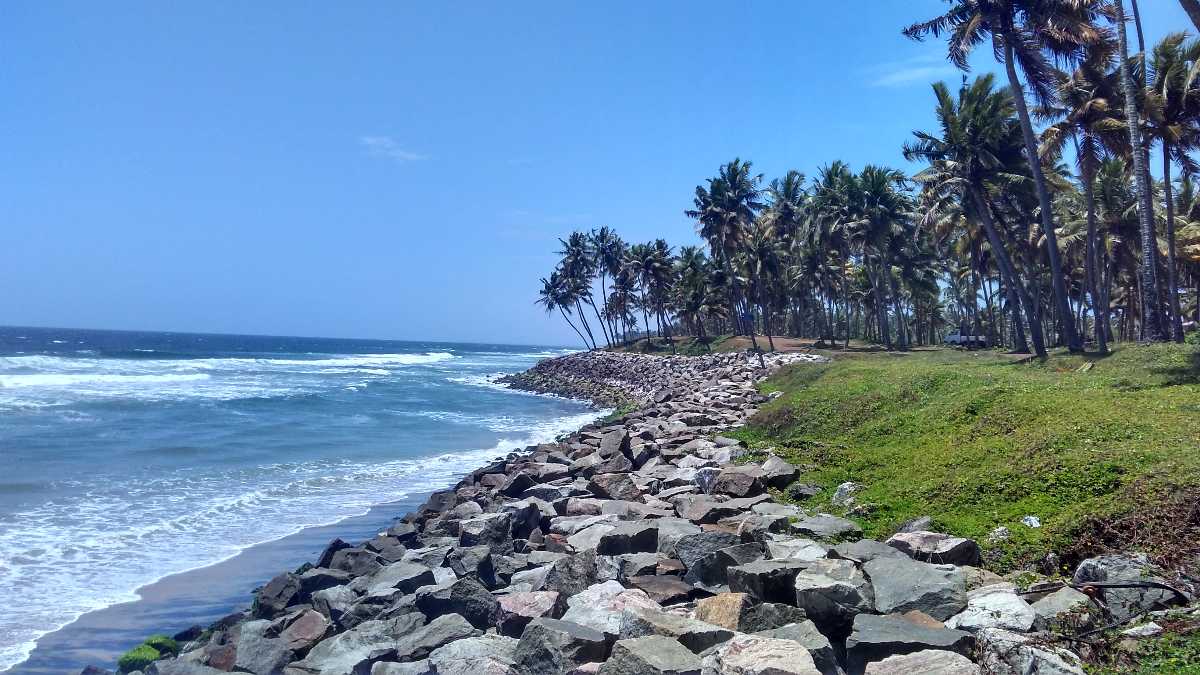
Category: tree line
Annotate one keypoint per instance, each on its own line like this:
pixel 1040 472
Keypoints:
pixel 997 234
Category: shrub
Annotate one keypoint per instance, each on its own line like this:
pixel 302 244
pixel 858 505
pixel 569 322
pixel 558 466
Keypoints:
pixel 165 645
pixel 137 658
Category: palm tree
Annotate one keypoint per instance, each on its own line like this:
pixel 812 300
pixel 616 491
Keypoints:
pixel 1172 112
pixel 1086 108
pixel 1151 317
pixel 976 147
pixel 579 265
pixel 763 254
pixel 1021 31
pixel 607 255
pixel 556 293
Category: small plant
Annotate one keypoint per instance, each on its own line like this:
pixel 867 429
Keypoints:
pixel 137 658
pixel 163 644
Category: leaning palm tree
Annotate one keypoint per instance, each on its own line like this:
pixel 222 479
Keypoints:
pixel 1021 32
pixel 556 294
pixel 579 265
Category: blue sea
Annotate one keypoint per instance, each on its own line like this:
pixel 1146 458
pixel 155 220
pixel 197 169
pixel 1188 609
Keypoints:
pixel 129 457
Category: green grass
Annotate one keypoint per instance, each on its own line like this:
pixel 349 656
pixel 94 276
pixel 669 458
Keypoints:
pixel 1179 654
pixel 976 440
pixel 137 658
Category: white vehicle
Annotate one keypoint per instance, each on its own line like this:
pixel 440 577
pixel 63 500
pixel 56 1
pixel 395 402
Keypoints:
pixel 956 337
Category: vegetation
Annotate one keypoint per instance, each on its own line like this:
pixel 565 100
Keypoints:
pixel 998 235
pixel 980 440
pixel 1172 653
pixel 138 658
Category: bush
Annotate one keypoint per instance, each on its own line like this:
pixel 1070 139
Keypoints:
pixel 137 658
pixel 165 645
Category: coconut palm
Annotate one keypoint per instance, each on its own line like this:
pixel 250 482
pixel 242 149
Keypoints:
pixel 578 263
pixel 1022 32
pixel 1172 111
pixel 557 293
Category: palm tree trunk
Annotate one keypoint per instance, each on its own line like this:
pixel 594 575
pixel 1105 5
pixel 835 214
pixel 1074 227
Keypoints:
pixel 572 325
pixel 583 319
pixel 1192 7
pixel 1172 280
pixel 1092 270
pixel 1056 271
pixel 1007 271
pixel 1151 318
pixel 885 332
pixel 1020 345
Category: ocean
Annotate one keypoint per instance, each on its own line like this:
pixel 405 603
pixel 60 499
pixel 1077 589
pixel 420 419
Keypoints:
pixel 181 464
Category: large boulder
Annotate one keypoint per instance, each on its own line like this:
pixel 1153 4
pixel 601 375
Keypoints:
pixel 484 655
pixel 691 548
pixel 630 536
pixel 777 473
pixel 516 610
pixel 1007 653
pixel 602 606
pixel 711 571
pixel 493 530
pixel 766 580
pixel 615 486
pixel 466 597
pixel 553 647
pixel 354 651
pixel 936 547
pixel 825 527
pixel 650 655
pixel 757 655
pixel 277 595
pixel 805 632
pixel 875 638
pixel 832 593
pixel 692 633
pixel 904 585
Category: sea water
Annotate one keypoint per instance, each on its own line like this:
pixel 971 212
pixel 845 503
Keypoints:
pixel 126 457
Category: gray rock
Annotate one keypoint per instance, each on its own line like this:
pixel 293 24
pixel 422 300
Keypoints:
pixel 904 585
pixel 466 597
pixel 493 530
pixel 180 667
pixel 355 650
pixel 601 606
pixel 758 655
pixel 257 653
pixel 864 550
pixel 402 576
pixel 571 574
pixel 516 610
pixel 484 655
pixel 277 595
pixel 1007 653
pixel 664 590
pixel 441 631
pixel 1063 601
pixel 691 548
pixel 803 491
pixel 711 570
pixel 553 647
pixel 795 548
pixel 805 632
pixel 936 547
pixel 995 607
pixel 614 442
pixel 766 580
pixel 777 473
pixel 843 495
pixel 412 668
pixel 615 486
pixel 694 634
pixel 925 661
pixel 738 481
pixel 825 527
pixel 650 655
pixel 629 537
pixel 832 593
pixel 875 638
pixel 1124 603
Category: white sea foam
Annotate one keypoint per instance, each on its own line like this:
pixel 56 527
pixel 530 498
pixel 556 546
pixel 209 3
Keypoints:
pixel 95 548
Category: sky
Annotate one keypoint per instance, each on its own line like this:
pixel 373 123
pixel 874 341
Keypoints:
pixel 403 170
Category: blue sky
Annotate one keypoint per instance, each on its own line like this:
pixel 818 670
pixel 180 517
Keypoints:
pixel 399 170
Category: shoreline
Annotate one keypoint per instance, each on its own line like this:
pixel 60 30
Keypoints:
pixel 646 542
pixel 90 634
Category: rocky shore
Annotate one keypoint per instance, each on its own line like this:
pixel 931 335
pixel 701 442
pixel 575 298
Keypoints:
pixel 651 545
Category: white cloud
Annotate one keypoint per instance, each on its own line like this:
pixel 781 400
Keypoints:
pixel 922 69
pixel 386 146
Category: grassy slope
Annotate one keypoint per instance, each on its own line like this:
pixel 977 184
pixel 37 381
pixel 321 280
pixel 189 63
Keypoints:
pixel 976 441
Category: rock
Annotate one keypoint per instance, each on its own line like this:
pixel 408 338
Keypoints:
pixel 517 484
pixel 710 571
pixel 903 585
pixel 769 615
pixel 864 551
pixel 832 593
pixel 326 557
pixel 766 580
pixel 843 495
pixel 357 561
pixel 1007 653
pixel 353 651
pixel 818 646
pixel 441 631
pixel 670 531
pixel 1146 630
pixel 691 548
pixel 777 473
pixel 995 607
pixel 403 576
pixel 665 590
pixel 757 655
pixel 466 597
pixel 411 668
pixel 629 537
pixel 601 606
pixel 320 578
pixel 936 547
pixel 803 491
pixel 650 655
pixel 614 442
pixel 925 661
pixel 301 630
pixel 795 548
pixel 259 653
pixel 483 655
pixel 493 530
pixel 552 647
pixel 825 527
pixel 1124 603
pixel 179 667
pixel 694 634
pixel 279 592
pixel 334 602
pixel 922 523
pixel 516 610
pixel 738 481
pixel 724 609
pixel 875 638
pixel 1063 601
pixel 615 486
pixel 588 538
pixel 571 574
